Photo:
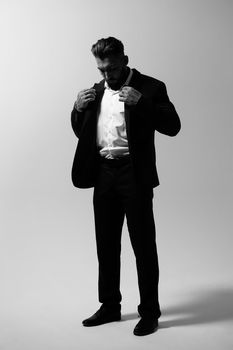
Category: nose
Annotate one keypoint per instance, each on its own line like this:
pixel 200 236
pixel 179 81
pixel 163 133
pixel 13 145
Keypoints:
pixel 107 75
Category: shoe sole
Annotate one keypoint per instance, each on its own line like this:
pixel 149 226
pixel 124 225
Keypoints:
pixel 100 323
pixel 145 333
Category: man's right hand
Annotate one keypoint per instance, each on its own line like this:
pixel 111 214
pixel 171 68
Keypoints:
pixel 84 97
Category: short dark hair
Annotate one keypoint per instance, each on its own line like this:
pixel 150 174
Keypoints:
pixel 106 47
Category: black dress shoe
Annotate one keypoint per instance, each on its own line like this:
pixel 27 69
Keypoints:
pixel 102 316
pixel 146 326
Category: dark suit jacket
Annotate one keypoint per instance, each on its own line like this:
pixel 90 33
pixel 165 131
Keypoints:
pixel 154 111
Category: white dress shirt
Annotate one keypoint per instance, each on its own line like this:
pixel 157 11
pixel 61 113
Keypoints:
pixel 111 129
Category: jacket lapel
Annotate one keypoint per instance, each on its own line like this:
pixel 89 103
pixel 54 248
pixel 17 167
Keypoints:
pixel 99 93
pixel 92 110
pixel 136 84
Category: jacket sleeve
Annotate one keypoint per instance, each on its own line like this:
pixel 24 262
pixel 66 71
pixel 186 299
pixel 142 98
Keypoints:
pixel 77 119
pixel 161 112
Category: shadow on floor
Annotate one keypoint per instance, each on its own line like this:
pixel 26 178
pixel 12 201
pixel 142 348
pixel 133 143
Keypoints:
pixel 128 317
pixel 202 307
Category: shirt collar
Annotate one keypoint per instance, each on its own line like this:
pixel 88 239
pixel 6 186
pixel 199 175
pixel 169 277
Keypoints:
pixel 125 83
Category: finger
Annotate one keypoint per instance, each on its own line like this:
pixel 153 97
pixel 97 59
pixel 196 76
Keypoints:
pixel 126 88
pixel 83 91
pixel 92 91
pixel 89 99
pixel 124 92
pixel 89 93
pixel 89 89
pixel 122 99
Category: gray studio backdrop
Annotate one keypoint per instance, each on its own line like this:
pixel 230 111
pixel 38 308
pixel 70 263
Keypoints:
pixel 47 229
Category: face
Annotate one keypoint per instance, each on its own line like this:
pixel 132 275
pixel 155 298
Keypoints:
pixel 113 69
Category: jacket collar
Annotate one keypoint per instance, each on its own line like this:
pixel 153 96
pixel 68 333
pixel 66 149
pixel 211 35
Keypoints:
pixel 135 82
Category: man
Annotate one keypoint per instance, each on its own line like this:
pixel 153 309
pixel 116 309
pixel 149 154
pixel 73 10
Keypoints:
pixel 115 121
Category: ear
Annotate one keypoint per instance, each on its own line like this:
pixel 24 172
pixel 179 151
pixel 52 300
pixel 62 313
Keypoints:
pixel 126 60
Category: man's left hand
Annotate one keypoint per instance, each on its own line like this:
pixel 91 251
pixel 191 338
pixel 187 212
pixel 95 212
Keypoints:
pixel 129 95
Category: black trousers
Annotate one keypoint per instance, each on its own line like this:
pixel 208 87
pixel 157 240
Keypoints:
pixel 117 195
